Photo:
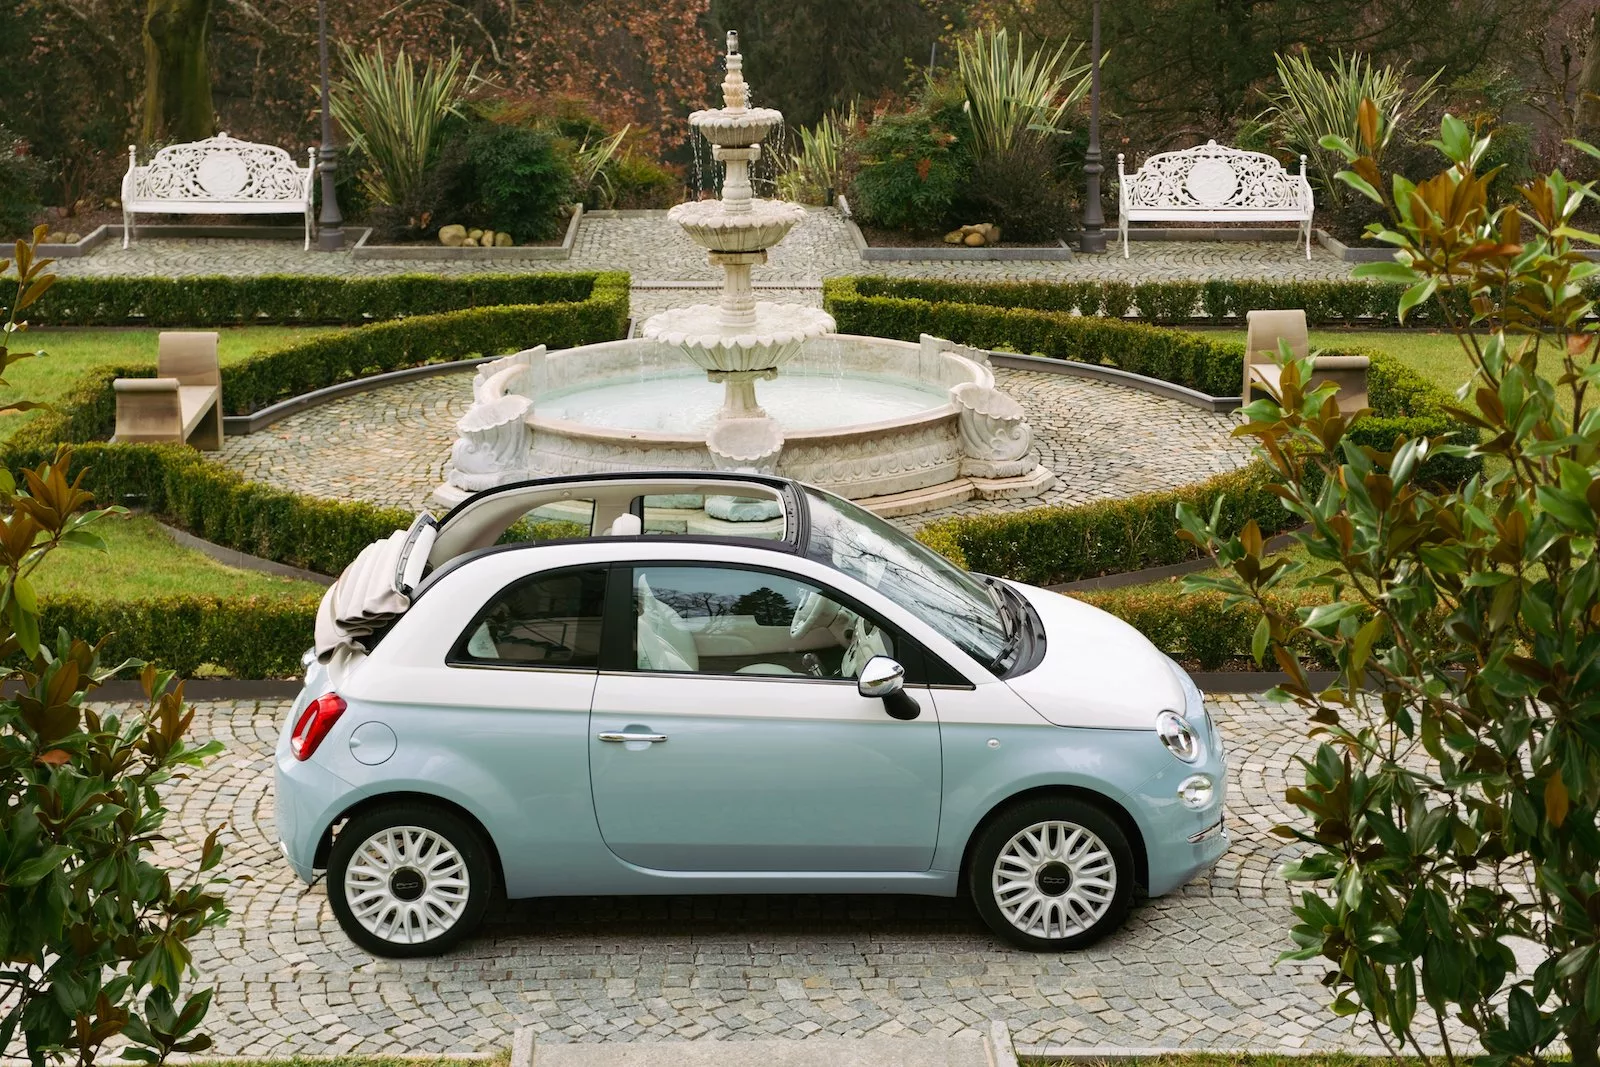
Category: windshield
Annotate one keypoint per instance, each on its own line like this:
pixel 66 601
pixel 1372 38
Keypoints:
pixel 860 544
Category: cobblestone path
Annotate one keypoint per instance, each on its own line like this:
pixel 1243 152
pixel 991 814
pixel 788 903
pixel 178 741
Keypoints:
pixel 390 446
pixel 1195 969
pixel 653 249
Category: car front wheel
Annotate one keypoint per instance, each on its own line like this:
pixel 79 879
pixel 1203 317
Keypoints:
pixel 408 880
pixel 1052 874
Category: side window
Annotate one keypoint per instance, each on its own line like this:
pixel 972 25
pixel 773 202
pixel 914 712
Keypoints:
pixel 546 620
pixel 726 620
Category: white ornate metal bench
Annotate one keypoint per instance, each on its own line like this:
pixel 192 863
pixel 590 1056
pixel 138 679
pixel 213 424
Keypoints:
pixel 218 176
pixel 1213 183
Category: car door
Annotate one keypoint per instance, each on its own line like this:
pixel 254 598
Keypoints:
pixel 721 739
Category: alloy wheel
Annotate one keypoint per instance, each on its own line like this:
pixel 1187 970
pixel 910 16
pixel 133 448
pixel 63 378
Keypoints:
pixel 1054 879
pixel 406 885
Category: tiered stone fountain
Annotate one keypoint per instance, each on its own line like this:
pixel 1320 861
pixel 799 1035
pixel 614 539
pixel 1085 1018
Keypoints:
pixel 901 427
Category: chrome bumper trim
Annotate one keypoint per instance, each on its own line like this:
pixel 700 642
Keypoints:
pixel 1210 831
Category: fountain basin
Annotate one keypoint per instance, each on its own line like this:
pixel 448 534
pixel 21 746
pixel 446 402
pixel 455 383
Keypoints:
pixel 869 418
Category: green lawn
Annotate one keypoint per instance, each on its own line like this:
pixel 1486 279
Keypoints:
pixel 70 352
pixel 1435 354
pixel 144 563
pixel 1211 1059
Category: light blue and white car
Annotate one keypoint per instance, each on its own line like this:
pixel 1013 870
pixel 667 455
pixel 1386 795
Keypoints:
pixel 816 703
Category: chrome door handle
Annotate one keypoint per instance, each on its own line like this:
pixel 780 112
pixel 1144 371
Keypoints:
pixel 607 735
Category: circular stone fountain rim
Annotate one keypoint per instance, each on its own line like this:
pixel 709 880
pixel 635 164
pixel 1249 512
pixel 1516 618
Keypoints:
pixel 568 428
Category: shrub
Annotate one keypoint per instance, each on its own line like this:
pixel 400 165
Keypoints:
pixel 247 637
pixel 1014 98
pixel 1017 189
pixel 1456 810
pixel 1065 543
pixel 912 170
pixel 308 300
pixel 638 183
pixel 96 916
pixel 20 177
pixel 517 181
pixel 1326 303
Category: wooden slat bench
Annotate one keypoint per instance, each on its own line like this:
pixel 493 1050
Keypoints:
pixel 1264 329
pixel 184 400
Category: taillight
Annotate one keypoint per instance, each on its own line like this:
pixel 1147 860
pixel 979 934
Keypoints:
pixel 314 724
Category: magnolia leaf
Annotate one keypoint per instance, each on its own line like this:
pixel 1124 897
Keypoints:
pixel 1258 640
pixel 1386 271
pixel 1556 801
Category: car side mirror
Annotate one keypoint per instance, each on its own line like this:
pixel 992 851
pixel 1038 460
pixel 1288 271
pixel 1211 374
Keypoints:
pixel 884 678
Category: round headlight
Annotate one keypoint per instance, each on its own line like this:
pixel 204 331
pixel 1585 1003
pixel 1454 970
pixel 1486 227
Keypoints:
pixel 1196 791
pixel 1179 737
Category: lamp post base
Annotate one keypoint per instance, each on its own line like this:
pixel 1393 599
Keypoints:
pixel 330 240
pixel 1092 243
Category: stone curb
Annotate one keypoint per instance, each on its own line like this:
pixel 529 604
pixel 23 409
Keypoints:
pixel 240 425
pixel 1363 254
pixel 113 230
pixel 232 557
pixel 1074 369
pixel 1095 1054
pixel 949 253
pixel 991 1050
pixel 440 253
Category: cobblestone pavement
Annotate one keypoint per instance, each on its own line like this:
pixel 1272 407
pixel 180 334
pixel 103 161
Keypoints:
pixel 390 446
pixel 653 249
pixel 1196 969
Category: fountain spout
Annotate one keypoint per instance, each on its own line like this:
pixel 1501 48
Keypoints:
pixel 738 340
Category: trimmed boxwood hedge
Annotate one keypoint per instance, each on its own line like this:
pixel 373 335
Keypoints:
pixel 1048 545
pixel 248 637
pixel 305 300
pixel 1346 302
pixel 220 505
pixel 260 637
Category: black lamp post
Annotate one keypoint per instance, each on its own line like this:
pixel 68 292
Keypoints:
pixel 330 224
pixel 1093 238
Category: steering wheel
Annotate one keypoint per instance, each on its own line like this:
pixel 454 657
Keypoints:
pixel 814 610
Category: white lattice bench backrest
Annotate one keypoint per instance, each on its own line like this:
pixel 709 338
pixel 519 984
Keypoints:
pixel 218 176
pixel 1213 183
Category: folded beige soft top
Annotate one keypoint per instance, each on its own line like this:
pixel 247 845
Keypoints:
pixel 374 589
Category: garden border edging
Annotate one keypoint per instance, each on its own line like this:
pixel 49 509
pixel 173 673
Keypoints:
pixel 949 253
pixel 362 251
pixel 241 425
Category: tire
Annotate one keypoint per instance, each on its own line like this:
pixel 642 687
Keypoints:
pixel 1051 875
pixel 409 909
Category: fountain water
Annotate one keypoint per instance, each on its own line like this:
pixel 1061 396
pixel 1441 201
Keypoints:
pixel 903 427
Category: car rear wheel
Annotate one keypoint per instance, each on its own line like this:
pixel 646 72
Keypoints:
pixel 1052 874
pixel 408 880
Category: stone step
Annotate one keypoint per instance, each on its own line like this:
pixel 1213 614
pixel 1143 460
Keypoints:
pixel 969 1049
